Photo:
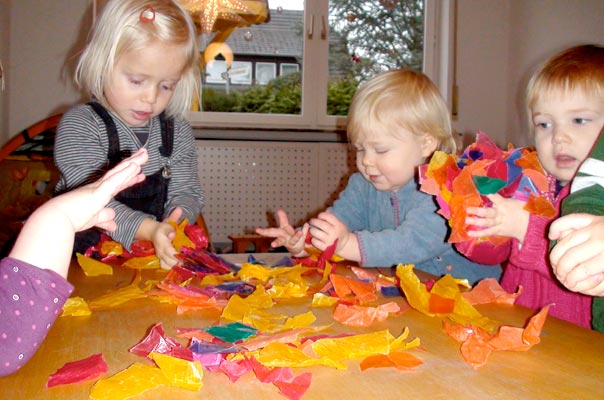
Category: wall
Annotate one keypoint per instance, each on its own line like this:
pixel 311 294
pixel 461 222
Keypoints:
pixel 4 31
pixel 538 30
pixel 481 67
pixel 499 44
pixel 45 37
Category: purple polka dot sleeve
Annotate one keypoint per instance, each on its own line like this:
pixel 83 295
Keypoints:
pixel 30 300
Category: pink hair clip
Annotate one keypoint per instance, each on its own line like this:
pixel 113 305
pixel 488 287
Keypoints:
pixel 147 15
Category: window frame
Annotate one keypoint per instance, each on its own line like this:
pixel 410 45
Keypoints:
pixel 438 65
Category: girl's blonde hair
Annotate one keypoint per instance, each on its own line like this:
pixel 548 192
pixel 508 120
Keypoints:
pixel 576 68
pixel 397 99
pixel 123 27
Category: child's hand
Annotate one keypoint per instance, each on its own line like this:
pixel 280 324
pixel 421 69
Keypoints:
pixel 578 257
pixel 85 206
pixel 162 240
pixel 286 235
pixel 326 229
pixel 506 217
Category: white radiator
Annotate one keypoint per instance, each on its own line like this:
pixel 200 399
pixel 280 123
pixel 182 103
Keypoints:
pixel 245 182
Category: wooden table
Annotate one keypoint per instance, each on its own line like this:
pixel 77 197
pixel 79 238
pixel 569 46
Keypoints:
pixel 567 364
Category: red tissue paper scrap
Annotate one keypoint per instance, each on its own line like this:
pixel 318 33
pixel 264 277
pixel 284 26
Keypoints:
pixel 462 181
pixel 78 371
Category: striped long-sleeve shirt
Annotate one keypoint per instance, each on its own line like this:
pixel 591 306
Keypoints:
pixel 590 173
pixel 80 153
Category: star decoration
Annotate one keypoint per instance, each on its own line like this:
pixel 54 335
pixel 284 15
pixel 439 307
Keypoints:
pixel 210 10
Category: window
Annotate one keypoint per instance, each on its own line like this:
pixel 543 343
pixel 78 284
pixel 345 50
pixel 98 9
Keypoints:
pixel 286 68
pixel 265 72
pixel 239 73
pixel 308 59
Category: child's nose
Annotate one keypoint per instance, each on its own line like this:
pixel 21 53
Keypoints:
pixel 560 135
pixel 150 95
pixel 367 159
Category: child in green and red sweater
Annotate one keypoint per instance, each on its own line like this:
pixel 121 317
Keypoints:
pixel 578 256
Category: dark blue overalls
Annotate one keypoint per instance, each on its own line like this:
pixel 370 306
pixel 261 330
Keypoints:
pixel 150 195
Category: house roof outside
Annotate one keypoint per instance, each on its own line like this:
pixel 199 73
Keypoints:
pixel 282 36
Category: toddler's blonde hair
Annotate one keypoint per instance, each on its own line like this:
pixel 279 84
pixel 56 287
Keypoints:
pixel 119 30
pixel 576 68
pixel 400 98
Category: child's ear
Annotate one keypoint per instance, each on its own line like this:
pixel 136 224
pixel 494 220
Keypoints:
pixel 428 144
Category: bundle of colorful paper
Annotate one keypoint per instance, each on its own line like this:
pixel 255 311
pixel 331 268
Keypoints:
pixel 463 181
pixel 251 336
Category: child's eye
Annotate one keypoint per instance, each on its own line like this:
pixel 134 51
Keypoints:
pixel 167 87
pixel 136 81
pixel 381 151
pixel 542 125
pixel 580 121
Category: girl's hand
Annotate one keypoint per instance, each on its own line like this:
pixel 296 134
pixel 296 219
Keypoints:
pixel 506 217
pixel 286 235
pixel 85 206
pixel 578 257
pixel 326 229
pixel 162 237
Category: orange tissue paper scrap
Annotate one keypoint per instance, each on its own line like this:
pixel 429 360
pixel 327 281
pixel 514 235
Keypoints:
pixel 477 345
pixel 362 316
pixel 398 359
pixel 489 291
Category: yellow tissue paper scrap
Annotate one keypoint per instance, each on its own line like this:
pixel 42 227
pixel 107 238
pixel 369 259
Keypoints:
pixel 92 267
pixel 249 311
pixel 111 248
pixel 289 290
pixel 133 381
pixel 299 321
pixel 147 262
pixel 181 373
pixel 363 345
pixel 283 355
pixel 217 279
pixel 119 296
pixel 264 321
pixel 322 300
pixel 180 238
pixel 249 272
pixel 445 289
pixel 238 307
pixel 76 307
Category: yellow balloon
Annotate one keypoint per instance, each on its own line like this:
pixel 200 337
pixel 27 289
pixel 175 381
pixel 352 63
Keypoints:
pixel 214 49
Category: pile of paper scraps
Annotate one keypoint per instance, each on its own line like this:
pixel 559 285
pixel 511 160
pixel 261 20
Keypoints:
pixel 252 338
